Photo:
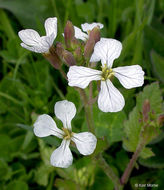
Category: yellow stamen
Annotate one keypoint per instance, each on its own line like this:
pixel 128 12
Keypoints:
pixel 107 73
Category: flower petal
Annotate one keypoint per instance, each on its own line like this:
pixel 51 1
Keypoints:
pixel 79 34
pixel 88 27
pixel 62 156
pixel 81 76
pixel 29 37
pixel 51 26
pixel 45 126
pixel 110 99
pixel 85 142
pixel 65 111
pixel 106 50
pixel 35 49
pixel 130 76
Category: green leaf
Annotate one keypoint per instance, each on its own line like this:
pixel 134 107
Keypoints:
pixel 109 125
pixel 158 65
pixel 133 125
pixel 146 153
pixel 28 15
pixel 42 174
pixel 66 184
pixel 5 171
pixel 17 185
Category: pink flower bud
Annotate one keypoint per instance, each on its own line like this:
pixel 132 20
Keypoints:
pixel 146 110
pixel 68 33
pixel 68 58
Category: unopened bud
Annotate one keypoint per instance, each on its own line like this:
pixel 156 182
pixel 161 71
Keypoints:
pixel 69 33
pixel 53 58
pixel 59 49
pixel 95 34
pixel 88 49
pixel 78 54
pixel 68 58
pixel 161 120
pixel 146 110
pixel 74 43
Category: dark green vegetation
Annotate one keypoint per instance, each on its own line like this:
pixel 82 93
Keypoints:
pixel 30 86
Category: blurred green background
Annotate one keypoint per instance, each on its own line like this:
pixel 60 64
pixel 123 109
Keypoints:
pixel 30 86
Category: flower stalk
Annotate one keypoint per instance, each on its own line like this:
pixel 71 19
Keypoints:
pixel 131 164
pixel 109 172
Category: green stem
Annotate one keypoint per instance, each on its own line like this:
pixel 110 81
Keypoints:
pixel 131 164
pixel 88 109
pixel 109 172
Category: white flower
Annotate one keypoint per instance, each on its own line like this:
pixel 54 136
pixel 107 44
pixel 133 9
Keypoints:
pixel 34 42
pixel 109 99
pixel 86 28
pixel 45 126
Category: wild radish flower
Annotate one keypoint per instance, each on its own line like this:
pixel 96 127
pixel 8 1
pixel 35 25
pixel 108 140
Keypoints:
pixel 46 126
pixel 109 99
pixel 34 42
pixel 86 28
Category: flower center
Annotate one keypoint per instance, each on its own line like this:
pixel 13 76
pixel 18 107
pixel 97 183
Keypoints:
pixel 67 134
pixel 107 73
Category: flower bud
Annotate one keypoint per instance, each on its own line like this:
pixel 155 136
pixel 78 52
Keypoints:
pixel 59 49
pixel 74 43
pixel 161 120
pixel 53 58
pixel 146 110
pixel 78 54
pixel 68 33
pixel 95 34
pixel 88 49
pixel 68 58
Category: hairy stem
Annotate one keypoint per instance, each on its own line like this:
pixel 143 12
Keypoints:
pixel 131 164
pixel 109 172
pixel 88 110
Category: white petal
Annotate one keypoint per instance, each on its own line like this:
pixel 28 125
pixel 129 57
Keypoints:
pixel 88 27
pixel 110 99
pixel 62 156
pixel 130 76
pixel 79 34
pixel 35 49
pixel 81 76
pixel 45 126
pixel 65 111
pixel 29 37
pixel 106 50
pixel 51 27
pixel 85 142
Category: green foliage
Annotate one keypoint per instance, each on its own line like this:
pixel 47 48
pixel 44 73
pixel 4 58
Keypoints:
pixel 29 86
pixel 109 125
pixel 134 126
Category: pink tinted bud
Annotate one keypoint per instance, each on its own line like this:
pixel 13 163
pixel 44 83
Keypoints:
pixel 95 34
pixel 68 33
pixel 59 49
pixel 161 120
pixel 146 110
pixel 68 58
pixel 89 47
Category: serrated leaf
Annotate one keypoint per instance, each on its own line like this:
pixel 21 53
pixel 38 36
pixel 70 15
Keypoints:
pixel 146 153
pixel 133 125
